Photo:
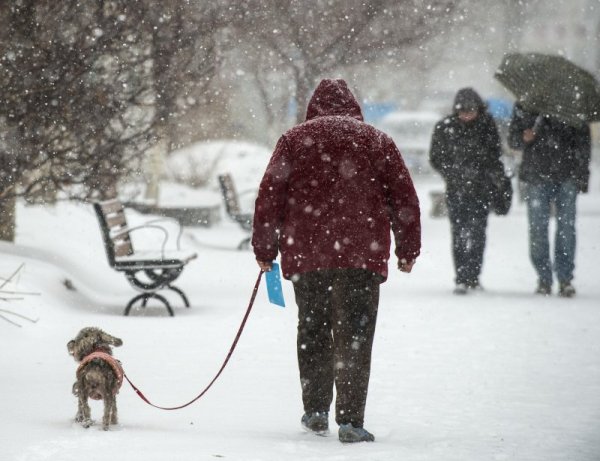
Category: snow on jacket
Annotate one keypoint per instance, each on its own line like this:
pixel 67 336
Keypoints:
pixel 558 152
pixel 467 154
pixel 332 190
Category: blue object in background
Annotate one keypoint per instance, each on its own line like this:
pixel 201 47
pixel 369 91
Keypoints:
pixel 292 108
pixel 373 111
pixel 500 109
pixel 274 289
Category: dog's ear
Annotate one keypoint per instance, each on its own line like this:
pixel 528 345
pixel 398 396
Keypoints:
pixel 71 347
pixel 112 340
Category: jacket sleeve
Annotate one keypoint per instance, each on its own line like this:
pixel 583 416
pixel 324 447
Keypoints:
pixel 270 204
pixel 494 149
pixel 583 152
pixel 439 152
pixel 402 203
pixel 520 121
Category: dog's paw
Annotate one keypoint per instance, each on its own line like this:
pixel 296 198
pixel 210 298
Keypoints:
pixel 87 423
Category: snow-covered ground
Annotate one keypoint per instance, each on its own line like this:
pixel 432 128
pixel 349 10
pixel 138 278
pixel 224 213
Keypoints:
pixel 497 375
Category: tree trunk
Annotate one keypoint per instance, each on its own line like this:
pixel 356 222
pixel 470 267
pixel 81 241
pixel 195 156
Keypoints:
pixel 8 220
pixel 154 168
pixel 303 94
pixel 307 79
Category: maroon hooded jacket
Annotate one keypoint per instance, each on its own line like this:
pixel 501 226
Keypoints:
pixel 332 188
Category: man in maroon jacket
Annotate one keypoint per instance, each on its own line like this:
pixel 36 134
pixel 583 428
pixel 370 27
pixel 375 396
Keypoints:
pixel 332 190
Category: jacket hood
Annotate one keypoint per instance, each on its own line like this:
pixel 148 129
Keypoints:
pixel 332 97
pixel 467 99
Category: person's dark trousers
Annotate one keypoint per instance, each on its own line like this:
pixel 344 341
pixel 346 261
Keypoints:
pixel 468 223
pixel 539 197
pixel 337 313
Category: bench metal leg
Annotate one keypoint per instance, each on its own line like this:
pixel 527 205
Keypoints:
pixel 181 293
pixel 245 244
pixel 158 280
pixel 144 297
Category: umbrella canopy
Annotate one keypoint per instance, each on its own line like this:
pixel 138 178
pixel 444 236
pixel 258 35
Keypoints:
pixel 553 85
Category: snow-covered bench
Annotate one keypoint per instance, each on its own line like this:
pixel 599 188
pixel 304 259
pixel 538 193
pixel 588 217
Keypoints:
pixel 148 272
pixel 233 209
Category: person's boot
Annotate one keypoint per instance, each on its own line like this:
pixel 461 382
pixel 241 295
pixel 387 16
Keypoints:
pixel 317 422
pixel 460 289
pixel 350 434
pixel 474 285
pixel 566 290
pixel 543 288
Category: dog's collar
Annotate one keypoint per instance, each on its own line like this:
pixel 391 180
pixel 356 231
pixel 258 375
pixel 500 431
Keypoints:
pixel 114 364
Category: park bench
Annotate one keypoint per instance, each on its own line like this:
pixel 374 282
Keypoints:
pixel 149 271
pixel 233 209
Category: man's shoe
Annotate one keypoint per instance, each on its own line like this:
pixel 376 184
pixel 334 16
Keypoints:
pixel 350 434
pixel 566 290
pixel 475 286
pixel 317 422
pixel 460 289
pixel 543 289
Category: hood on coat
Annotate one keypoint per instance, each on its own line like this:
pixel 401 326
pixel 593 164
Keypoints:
pixel 467 99
pixel 332 97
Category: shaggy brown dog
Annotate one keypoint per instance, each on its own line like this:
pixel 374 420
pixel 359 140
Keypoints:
pixel 99 375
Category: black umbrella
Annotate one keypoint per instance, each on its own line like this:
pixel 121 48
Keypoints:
pixel 553 85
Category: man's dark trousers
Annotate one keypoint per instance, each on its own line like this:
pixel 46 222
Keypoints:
pixel 337 313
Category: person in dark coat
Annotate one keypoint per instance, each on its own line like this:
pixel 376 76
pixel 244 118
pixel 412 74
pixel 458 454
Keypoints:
pixel 466 150
pixel 554 169
pixel 333 189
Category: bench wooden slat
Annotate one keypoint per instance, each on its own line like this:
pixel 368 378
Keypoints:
pixel 122 247
pixel 230 195
pixel 233 208
pixel 111 206
pixel 116 220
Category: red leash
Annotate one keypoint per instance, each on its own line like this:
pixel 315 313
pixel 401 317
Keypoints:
pixel 235 341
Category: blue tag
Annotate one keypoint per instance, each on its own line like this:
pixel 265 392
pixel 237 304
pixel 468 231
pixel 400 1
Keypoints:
pixel 274 289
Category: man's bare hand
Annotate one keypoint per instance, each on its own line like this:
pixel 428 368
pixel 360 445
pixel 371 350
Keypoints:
pixel 264 266
pixel 528 135
pixel 406 266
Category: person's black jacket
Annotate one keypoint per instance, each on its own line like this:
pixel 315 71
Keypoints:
pixel 558 152
pixel 467 155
